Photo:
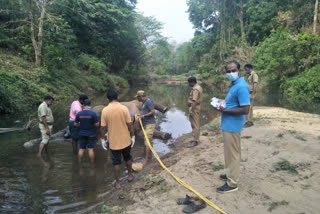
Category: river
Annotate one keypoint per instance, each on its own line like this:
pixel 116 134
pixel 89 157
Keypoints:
pixel 55 184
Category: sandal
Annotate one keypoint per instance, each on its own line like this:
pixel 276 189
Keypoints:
pixel 187 200
pixel 194 206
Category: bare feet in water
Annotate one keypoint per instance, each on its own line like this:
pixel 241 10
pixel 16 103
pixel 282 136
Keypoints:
pixel 146 162
pixel 130 178
pixel 117 186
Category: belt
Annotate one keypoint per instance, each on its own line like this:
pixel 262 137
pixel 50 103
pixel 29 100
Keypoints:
pixel 47 123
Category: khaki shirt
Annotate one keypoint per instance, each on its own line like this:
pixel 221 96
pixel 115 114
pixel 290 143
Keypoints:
pixel 253 78
pixel 45 110
pixel 195 96
pixel 116 116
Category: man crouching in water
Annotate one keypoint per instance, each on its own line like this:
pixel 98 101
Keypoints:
pixel 116 119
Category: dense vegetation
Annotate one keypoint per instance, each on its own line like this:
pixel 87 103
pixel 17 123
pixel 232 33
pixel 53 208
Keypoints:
pixel 280 38
pixel 64 47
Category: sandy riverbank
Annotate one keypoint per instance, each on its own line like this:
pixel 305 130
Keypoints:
pixel 266 186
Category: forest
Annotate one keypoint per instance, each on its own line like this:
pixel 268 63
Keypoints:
pixel 64 47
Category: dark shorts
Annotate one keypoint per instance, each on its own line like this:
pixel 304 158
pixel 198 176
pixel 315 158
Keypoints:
pixel 116 155
pixel 74 130
pixel 86 142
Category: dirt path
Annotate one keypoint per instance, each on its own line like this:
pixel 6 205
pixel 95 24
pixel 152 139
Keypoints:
pixel 279 135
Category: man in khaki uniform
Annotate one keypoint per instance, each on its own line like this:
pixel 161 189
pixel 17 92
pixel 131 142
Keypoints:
pixel 45 122
pixel 194 102
pixel 253 83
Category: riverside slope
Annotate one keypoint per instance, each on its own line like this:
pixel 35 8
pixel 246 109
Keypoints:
pixel 278 134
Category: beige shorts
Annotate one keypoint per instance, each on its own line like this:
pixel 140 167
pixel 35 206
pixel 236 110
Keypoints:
pixel 44 136
pixel 149 131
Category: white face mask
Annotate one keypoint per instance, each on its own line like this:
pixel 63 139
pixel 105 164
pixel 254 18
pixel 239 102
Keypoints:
pixel 233 76
pixel 246 72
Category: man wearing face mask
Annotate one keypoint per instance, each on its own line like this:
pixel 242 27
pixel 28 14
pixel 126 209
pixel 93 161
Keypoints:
pixel 253 83
pixel 232 121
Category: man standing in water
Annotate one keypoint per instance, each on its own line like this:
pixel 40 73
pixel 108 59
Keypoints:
pixel 87 120
pixel 45 122
pixel 232 121
pixel 116 119
pixel 253 83
pixel 75 108
pixel 148 122
pixel 194 101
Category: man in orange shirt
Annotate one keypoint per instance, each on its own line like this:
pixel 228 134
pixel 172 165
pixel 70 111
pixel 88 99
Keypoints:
pixel 116 119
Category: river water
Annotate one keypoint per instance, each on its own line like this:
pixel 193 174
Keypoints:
pixel 55 183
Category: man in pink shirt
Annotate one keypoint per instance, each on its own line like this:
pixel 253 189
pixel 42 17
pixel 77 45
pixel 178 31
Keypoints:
pixel 76 107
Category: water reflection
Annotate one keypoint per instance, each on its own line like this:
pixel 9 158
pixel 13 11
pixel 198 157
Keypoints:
pixel 56 184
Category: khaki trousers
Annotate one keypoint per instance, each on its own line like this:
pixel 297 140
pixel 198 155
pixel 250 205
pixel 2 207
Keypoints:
pixel 195 124
pixel 232 157
pixel 249 117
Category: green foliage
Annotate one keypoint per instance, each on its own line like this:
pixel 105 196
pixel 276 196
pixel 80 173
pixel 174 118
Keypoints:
pixel 218 167
pixel 17 93
pixel 214 126
pixel 291 63
pixel 108 210
pixel 274 205
pixel 285 165
pixel 91 64
pixel 304 89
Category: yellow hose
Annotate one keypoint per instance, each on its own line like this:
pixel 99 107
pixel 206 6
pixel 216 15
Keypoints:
pixel 177 179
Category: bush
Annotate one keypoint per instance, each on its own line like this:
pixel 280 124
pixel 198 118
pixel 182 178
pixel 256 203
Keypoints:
pixel 91 64
pixel 119 82
pixel 18 94
pixel 303 89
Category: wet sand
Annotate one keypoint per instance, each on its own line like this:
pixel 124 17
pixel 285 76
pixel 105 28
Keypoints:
pixel 278 136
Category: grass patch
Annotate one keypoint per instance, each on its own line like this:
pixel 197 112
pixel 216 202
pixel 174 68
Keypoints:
pixel 285 165
pixel 274 205
pixel 275 152
pixel 163 187
pixel 246 137
pixel 155 179
pixel 217 167
pixel 300 138
pixel 280 135
pixel 292 131
pixel 214 126
pixel 108 210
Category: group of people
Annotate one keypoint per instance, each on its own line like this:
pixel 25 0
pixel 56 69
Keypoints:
pixel 236 115
pixel 117 122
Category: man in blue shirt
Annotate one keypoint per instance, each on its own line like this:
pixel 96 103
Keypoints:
pixel 232 121
pixel 148 121
pixel 87 120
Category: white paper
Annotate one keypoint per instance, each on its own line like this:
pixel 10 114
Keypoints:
pixel 216 103
pixel 104 144
pixel 133 140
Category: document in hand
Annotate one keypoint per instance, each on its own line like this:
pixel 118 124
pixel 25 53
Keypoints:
pixel 216 103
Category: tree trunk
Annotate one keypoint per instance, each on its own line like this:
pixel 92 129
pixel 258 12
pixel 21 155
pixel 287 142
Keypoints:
pixel 240 17
pixel 37 45
pixel 315 18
